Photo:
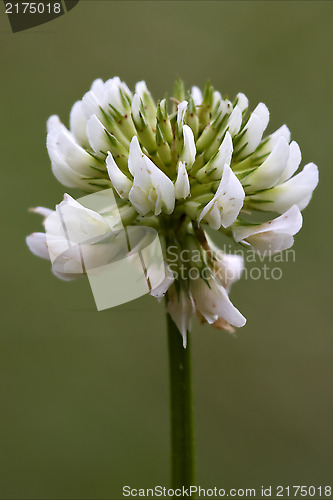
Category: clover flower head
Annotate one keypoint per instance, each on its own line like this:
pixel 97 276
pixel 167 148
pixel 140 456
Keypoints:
pixel 180 165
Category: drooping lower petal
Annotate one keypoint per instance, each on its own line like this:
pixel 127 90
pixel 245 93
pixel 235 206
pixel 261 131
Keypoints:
pixel 212 301
pixel 181 308
pixel 272 236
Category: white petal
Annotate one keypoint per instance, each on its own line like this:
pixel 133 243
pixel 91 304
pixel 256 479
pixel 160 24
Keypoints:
pixel 235 121
pixel 283 131
pixel 136 156
pixel 230 195
pixel 139 200
pixel 296 191
pixel 53 226
pixel 270 242
pixel 96 135
pixel 162 184
pixel 223 157
pixel 262 111
pixel 181 110
pixel 67 261
pixel 289 223
pixel 272 236
pixel 225 150
pixel 75 157
pixel 189 150
pixel 229 269
pixel 64 150
pixel 255 127
pixel 65 277
pixel 91 105
pixel 37 245
pixel 182 184
pixel 273 139
pixel 229 266
pixel 294 160
pixel 226 107
pixel 216 165
pixel 252 136
pixel 125 89
pixel 213 302
pixel 59 247
pixel 98 89
pixel 270 171
pixel 304 202
pixel 54 127
pixel 112 94
pixel 66 176
pixel 181 309
pixel 77 122
pixel 217 99
pixel 141 89
pixel 81 223
pixel 160 290
pixel 196 95
pixel 60 167
pixel 136 106
pixel 120 182
pixel 43 211
pixel 242 101
pixel 212 214
pixel 70 232
pixel 138 195
pixel 148 177
pixel 229 198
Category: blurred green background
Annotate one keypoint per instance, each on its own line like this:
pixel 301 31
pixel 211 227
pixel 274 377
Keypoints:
pixel 84 394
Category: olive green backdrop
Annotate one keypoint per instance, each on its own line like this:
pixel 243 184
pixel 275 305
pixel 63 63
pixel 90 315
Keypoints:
pixel 84 394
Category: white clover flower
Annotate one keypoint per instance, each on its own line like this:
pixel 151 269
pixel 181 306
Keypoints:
pixel 178 166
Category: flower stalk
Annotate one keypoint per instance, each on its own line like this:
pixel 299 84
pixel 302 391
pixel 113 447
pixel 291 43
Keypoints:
pixel 181 410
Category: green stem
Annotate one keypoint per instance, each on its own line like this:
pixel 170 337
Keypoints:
pixel 181 410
